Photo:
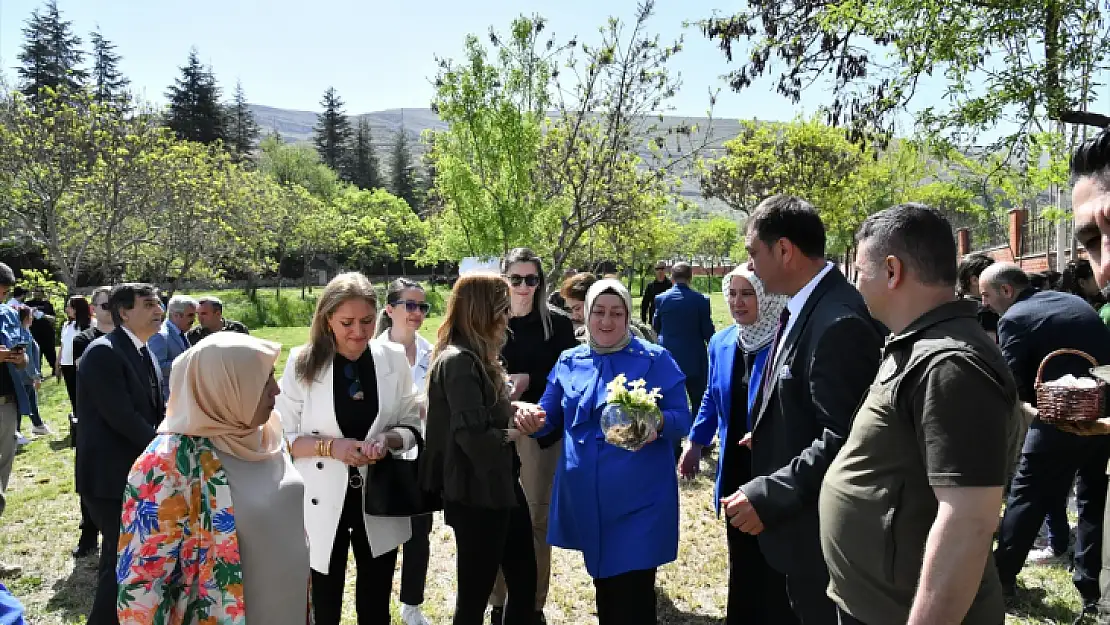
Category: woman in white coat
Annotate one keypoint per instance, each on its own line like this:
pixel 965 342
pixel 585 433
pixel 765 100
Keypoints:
pixel 346 402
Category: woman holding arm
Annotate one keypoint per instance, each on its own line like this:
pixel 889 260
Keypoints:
pixel 345 403
pixel 737 356
pixel 471 460
pixel 405 310
pixel 618 507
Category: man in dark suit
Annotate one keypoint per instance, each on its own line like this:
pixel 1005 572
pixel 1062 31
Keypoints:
pixel 1033 324
pixel 660 285
pixel 822 362
pixel 684 325
pixel 119 406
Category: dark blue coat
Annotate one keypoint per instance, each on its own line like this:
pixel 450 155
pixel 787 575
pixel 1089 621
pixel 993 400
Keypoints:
pixel 684 325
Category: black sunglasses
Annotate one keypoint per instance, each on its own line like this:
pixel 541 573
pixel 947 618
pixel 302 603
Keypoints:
pixel 354 390
pixel 411 306
pixel 530 279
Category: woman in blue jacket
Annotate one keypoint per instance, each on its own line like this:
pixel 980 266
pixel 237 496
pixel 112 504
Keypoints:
pixel 737 359
pixel 618 507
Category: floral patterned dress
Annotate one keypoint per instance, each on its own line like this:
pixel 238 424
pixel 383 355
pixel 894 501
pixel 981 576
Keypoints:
pixel 178 549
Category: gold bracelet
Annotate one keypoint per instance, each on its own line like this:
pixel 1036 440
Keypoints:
pixel 327 448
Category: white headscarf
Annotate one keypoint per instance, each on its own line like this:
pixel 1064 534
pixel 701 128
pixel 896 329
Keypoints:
pixel 756 336
pixel 615 287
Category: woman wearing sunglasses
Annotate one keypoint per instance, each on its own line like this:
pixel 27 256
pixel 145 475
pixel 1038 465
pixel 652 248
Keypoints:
pixel 406 308
pixel 538 333
pixel 345 403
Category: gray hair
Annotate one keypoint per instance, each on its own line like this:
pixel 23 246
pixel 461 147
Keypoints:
pixel 212 301
pixel 178 304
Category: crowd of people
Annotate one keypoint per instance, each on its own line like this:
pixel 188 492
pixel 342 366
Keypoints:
pixel 866 434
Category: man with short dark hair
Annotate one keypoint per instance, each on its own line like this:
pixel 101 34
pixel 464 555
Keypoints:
pixel 210 318
pixel 820 365
pixel 12 399
pixel 119 407
pixel 661 284
pixel 1033 324
pixel 929 442
pixel 967 286
pixel 684 325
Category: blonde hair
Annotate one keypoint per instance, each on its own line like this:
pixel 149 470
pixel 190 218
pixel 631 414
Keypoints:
pixel 320 349
pixel 474 321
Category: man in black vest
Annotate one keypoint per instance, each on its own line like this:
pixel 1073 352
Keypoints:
pixel 119 404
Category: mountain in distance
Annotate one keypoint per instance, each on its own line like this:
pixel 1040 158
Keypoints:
pixel 295 126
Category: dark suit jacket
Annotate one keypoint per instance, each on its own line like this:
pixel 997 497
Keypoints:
pixel 684 325
pixel 647 302
pixel 1039 323
pixel 116 417
pixel 821 374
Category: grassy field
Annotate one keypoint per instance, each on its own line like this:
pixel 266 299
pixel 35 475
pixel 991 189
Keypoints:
pixel 40 527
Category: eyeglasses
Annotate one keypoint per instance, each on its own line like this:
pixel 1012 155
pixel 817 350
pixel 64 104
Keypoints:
pixel 530 279
pixel 354 389
pixel 105 306
pixel 411 306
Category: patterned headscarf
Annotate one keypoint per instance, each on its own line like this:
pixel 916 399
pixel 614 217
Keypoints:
pixel 756 336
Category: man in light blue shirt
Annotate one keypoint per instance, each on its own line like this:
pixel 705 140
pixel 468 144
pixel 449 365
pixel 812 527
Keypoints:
pixel 171 341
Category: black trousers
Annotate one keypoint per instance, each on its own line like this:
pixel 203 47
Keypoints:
pixel 809 599
pixel 414 562
pixel 485 540
pixel 1050 460
pixel 847 619
pixel 69 376
pixel 105 515
pixel 626 599
pixel 374 583
pixel 756 592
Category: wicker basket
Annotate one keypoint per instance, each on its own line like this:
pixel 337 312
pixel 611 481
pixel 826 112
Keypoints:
pixel 1064 404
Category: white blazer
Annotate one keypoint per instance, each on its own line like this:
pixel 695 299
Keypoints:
pixel 310 410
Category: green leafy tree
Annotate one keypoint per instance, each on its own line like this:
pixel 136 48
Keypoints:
pixel 402 174
pixel 109 85
pixel 379 227
pixel 195 112
pixel 1032 62
pixel 332 133
pixel 486 165
pixel 297 164
pixel 362 169
pixel 714 239
pixel 242 129
pixel 51 55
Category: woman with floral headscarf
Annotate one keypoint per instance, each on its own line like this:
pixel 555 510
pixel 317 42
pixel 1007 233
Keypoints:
pixel 213 513
pixel 737 355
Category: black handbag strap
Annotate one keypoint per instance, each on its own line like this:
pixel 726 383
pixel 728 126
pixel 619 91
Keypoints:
pixel 416 433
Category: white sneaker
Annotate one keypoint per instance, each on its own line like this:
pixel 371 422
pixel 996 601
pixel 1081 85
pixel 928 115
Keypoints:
pixel 21 440
pixel 411 615
pixel 1046 557
pixel 41 430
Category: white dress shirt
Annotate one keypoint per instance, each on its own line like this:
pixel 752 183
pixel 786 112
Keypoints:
pixel 798 302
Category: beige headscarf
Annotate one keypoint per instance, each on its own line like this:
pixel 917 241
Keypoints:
pixel 615 287
pixel 215 387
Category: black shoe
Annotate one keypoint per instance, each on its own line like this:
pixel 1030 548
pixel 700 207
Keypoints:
pixel 496 615
pixel 1089 609
pixel 540 618
pixel 84 550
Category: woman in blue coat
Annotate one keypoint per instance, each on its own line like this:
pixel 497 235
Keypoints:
pixel 618 507
pixel 737 358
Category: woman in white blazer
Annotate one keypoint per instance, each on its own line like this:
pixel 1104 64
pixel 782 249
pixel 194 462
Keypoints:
pixel 346 402
pixel 406 308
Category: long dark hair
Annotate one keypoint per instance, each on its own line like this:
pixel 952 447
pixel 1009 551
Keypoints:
pixel 82 313
pixel 539 298
pixel 392 296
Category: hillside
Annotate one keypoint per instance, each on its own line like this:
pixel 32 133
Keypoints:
pixel 297 126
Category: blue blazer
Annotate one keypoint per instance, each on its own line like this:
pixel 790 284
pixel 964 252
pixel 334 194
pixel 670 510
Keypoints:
pixel 32 372
pixel 165 346
pixel 684 324
pixel 618 507
pixel 714 415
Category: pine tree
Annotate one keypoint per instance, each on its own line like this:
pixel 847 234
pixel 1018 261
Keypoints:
pixel 332 133
pixel 362 167
pixel 242 129
pixel 195 112
pixel 51 54
pixel 403 182
pixel 108 83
